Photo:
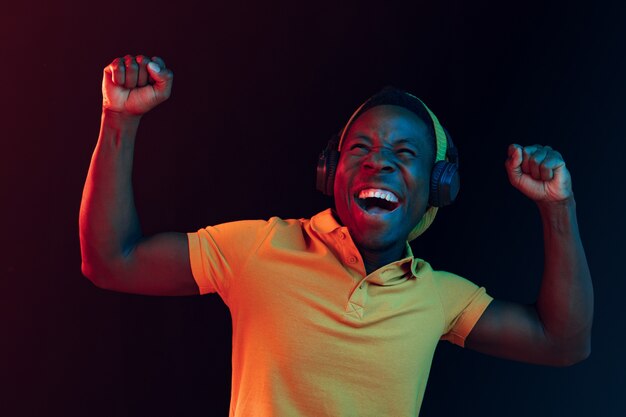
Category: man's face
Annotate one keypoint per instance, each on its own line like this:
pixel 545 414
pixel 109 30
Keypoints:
pixel 382 180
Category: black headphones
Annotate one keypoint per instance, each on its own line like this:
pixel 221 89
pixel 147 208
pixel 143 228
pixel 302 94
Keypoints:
pixel 444 177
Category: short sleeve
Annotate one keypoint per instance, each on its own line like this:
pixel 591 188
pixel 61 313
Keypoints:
pixel 217 253
pixel 463 304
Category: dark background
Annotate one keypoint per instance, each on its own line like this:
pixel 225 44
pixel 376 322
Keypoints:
pixel 259 88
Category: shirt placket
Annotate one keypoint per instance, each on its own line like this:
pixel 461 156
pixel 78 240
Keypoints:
pixel 355 305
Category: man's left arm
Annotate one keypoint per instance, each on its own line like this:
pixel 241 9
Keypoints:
pixel 556 330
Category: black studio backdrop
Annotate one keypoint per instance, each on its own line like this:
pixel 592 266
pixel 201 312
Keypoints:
pixel 259 88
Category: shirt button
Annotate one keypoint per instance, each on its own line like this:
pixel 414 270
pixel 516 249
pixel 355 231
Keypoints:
pixel 352 259
pixel 342 235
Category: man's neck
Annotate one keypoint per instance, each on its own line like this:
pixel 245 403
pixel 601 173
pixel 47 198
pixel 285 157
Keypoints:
pixel 374 259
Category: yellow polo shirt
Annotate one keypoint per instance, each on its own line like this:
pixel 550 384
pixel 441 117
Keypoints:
pixel 313 335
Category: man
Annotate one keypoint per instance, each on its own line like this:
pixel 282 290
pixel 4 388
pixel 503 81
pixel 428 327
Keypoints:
pixel 333 315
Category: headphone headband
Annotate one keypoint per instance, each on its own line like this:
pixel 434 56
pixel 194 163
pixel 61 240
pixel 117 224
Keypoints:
pixel 441 142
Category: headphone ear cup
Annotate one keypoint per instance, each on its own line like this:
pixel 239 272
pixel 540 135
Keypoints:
pixel 326 168
pixel 444 184
pixel 332 161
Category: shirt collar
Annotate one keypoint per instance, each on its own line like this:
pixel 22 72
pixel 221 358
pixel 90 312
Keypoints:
pixel 326 223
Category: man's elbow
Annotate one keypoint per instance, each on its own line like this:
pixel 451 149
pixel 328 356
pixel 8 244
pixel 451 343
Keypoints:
pixel 571 356
pixel 580 356
pixel 101 276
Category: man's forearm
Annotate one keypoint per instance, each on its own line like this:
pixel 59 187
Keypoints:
pixel 565 303
pixel 109 225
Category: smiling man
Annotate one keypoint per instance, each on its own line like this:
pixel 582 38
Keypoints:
pixel 333 315
pixel 382 181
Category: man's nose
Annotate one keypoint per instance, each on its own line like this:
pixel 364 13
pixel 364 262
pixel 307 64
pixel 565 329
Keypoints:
pixel 379 160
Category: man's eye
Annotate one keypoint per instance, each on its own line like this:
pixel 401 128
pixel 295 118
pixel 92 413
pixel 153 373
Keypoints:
pixel 359 147
pixel 406 151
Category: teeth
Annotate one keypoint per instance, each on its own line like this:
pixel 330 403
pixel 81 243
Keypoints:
pixel 377 193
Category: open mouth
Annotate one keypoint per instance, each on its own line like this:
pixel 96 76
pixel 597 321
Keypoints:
pixel 376 200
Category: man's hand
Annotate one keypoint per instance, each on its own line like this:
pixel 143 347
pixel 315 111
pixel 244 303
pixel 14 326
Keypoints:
pixel 539 172
pixel 135 85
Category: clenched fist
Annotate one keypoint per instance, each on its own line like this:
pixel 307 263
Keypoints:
pixel 134 85
pixel 539 172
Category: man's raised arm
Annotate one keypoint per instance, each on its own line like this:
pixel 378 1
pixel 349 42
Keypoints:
pixel 556 330
pixel 115 254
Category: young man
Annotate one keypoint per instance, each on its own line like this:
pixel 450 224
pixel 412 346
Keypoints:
pixel 333 315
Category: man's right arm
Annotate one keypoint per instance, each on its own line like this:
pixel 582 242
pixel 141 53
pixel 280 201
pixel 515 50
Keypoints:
pixel 115 254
